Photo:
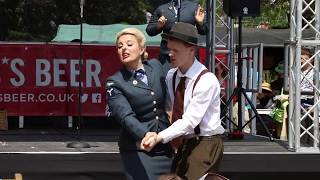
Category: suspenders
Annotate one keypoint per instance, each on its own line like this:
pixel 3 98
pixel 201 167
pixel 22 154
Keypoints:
pixel 196 129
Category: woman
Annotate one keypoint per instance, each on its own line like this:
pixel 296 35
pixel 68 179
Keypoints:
pixel 136 98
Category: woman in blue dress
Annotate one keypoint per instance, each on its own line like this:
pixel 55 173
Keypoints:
pixel 136 99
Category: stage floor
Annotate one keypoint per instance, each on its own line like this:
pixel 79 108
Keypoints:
pixel 41 154
pixel 105 141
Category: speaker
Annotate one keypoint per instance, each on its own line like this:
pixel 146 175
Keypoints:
pixel 243 8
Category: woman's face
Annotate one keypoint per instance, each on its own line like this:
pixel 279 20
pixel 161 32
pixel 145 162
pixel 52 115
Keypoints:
pixel 304 58
pixel 129 50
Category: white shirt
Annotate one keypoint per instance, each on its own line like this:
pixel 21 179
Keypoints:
pixel 202 107
pixel 307 80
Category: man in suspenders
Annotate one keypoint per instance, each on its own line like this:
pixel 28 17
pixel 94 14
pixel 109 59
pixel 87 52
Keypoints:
pixel 195 103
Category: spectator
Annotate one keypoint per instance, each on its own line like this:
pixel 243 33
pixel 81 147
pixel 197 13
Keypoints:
pixel 306 86
pixel 166 15
pixel 148 15
pixel 278 84
pixel 265 98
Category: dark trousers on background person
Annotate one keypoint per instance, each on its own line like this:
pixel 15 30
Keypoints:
pixel 198 156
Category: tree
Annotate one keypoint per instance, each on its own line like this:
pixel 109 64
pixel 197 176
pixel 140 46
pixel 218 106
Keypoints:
pixel 37 20
pixel 276 13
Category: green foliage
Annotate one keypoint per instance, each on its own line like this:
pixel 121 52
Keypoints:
pixel 24 36
pixel 19 36
pixel 273 12
pixel 202 3
pixel 33 20
pixel 276 13
pixel 39 19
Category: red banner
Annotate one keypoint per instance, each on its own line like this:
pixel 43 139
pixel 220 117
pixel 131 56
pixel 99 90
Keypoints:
pixel 43 79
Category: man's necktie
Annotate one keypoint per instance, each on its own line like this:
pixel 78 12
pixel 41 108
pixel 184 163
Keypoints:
pixel 178 109
pixel 141 75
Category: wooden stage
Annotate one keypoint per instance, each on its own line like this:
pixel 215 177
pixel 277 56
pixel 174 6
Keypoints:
pixel 43 155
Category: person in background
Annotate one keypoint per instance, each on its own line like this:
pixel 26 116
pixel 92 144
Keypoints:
pixel 278 84
pixel 195 103
pixel 306 86
pixel 265 101
pixel 306 73
pixel 147 15
pixel 136 100
pixel 265 98
pixel 166 15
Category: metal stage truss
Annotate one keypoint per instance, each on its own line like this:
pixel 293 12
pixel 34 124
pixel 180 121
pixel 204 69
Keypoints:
pixel 303 123
pixel 222 58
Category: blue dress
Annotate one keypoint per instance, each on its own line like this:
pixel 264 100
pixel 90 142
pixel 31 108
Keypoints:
pixel 140 108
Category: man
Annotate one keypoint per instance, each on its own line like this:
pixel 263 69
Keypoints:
pixel 199 125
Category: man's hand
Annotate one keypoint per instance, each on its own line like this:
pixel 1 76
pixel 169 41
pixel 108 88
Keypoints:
pixel 199 15
pixel 149 141
pixel 161 22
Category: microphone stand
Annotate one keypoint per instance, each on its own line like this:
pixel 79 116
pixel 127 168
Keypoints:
pixel 238 92
pixel 79 144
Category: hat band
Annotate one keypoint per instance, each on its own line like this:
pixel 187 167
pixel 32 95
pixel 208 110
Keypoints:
pixel 183 37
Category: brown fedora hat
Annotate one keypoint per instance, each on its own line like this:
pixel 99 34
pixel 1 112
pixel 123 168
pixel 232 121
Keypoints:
pixel 183 31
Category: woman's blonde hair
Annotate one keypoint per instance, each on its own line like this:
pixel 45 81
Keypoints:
pixel 140 37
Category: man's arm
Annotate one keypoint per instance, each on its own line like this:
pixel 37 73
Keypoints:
pixel 206 90
pixel 200 17
pixel 156 23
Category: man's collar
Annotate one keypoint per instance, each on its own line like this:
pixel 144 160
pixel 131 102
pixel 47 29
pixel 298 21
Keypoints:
pixel 193 69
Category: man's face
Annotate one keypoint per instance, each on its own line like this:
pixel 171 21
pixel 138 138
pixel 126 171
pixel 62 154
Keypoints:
pixel 181 54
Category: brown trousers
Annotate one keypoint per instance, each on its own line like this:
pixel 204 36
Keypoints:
pixel 198 156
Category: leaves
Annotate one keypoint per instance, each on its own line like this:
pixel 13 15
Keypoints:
pixel 39 19
pixel 276 13
pixel 202 3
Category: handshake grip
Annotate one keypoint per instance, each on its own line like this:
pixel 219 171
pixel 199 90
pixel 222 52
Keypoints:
pixel 149 141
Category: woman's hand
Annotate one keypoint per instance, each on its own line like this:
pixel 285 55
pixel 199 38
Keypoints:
pixel 150 140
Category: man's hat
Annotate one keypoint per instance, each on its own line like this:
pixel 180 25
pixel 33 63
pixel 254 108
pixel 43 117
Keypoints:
pixel 183 31
pixel 266 86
